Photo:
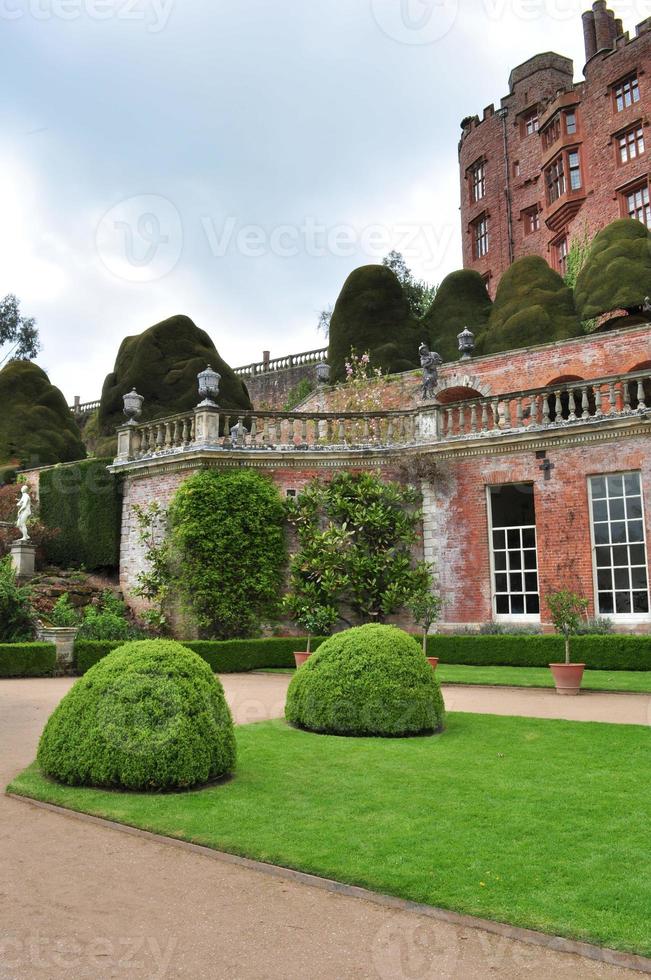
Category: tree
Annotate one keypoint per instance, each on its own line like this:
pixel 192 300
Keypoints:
pixel 567 610
pixel 617 273
pixel 425 607
pixel 372 314
pixel 418 293
pixel 532 306
pixel 18 333
pixel 461 301
pixel 325 316
pixel 355 536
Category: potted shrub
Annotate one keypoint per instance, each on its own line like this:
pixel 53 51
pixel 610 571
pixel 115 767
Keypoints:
pixel 316 622
pixel 60 628
pixel 567 610
pixel 425 608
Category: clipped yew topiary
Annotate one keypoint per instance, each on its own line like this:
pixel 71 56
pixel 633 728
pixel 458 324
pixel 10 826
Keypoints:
pixel 36 426
pixel 372 314
pixel 617 272
pixel 461 301
pixel 371 680
pixel 162 363
pixel 149 716
pixel 532 306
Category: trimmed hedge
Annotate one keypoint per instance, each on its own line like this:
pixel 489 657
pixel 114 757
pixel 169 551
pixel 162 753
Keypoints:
pixel 83 501
pixel 224 656
pixel 611 652
pixel 27 659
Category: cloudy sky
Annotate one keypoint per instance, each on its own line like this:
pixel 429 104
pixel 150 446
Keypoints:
pixel 234 160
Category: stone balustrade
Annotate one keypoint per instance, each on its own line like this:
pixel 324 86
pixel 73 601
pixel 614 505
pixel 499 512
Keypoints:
pixel 563 405
pixel 558 405
pixel 283 363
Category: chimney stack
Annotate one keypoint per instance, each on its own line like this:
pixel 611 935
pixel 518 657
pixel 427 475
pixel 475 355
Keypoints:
pixel 589 35
pixel 603 28
pixel 619 27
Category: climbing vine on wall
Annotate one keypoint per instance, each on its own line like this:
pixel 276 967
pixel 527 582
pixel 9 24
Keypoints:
pixel 229 539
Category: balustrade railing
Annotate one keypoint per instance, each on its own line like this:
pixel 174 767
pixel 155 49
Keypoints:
pixel 565 404
pixel 282 363
pixel 557 405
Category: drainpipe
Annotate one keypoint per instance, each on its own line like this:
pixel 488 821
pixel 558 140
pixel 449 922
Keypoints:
pixel 503 113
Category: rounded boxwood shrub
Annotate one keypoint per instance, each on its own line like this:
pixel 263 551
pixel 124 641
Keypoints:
pixel 369 680
pixel 149 716
pixel 461 301
pixel 617 272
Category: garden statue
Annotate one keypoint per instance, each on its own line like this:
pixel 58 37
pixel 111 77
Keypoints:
pixel 24 512
pixel 647 305
pixel 429 361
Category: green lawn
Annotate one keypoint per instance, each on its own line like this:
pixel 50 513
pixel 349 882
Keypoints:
pixel 594 680
pixel 538 823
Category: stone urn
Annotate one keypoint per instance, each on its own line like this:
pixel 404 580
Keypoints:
pixel 300 658
pixel 63 638
pixel 433 662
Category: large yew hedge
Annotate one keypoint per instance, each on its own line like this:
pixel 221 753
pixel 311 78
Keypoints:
pixel 532 306
pixel 162 363
pixel 617 273
pixel 461 301
pixel 37 427
pixel 84 503
pixel 372 314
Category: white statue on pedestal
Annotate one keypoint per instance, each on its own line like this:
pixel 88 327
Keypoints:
pixel 24 512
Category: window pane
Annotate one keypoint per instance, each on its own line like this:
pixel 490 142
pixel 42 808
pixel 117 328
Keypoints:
pixel 634 507
pixel 600 510
pixel 517 605
pixel 533 605
pixel 531 582
pixel 606 604
pixel 638 554
pixel 618 531
pixel 515 582
pixel 528 537
pixel 639 578
pixel 515 560
pixel 513 537
pixel 616 506
pixel 640 602
pixel 501 583
pixel 499 539
pixel 500 561
pixel 620 555
pixel 598 487
pixel 530 559
pixel 601 534
pixel 635 531
pixel 604 556
pixel 604 579
pixel 622 578
pixel 632 484
pixel 623 603
pixel 615 486
pixel 502 605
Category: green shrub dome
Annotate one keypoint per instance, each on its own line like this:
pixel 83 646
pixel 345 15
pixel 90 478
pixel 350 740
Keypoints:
pixel 371 680
pixel 149 716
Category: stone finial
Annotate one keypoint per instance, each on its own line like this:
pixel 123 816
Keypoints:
pixel 466 343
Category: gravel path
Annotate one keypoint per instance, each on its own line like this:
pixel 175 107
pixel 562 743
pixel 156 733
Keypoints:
pixel 84 901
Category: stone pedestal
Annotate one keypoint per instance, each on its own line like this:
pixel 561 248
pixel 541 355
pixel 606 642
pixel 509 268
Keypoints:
pixel 23 556
pixel 63 638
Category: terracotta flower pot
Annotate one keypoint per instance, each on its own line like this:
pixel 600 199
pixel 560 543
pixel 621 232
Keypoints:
pixel 300 658
pixel 433 661
pixel 567 677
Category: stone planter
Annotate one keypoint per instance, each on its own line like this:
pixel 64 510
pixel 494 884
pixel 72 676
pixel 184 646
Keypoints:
pixel 433 662
pixel 63 638
pixel 300 658
pixel 567 677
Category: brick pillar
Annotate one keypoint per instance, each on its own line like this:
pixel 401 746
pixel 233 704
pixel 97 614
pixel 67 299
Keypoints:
pixel 589 35
pixel 602 25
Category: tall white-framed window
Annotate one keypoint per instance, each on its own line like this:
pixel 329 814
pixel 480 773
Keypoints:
pixel 514 552
pixel 621 574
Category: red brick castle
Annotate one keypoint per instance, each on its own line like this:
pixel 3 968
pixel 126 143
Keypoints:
pixel 559 160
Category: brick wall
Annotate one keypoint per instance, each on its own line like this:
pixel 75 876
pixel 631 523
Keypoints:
pixel 457 527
